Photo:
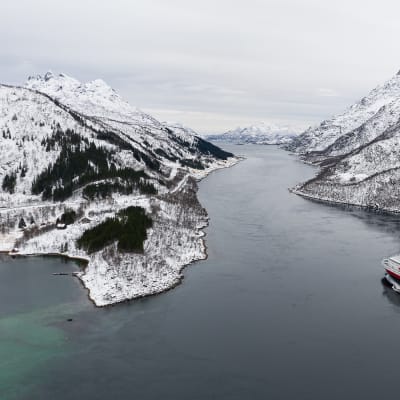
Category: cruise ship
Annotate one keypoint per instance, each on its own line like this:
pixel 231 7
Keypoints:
pixel 392 268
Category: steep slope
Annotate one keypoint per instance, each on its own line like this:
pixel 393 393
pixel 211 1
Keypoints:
pixel 368 173
pixel 359 124
pixel 26 120
pixel 369 176
pixel 256 134
pixel 85 174
pixel 386 117
pixel 104 110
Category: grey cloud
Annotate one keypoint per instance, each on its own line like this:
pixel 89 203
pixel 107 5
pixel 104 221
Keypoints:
pixel 212 64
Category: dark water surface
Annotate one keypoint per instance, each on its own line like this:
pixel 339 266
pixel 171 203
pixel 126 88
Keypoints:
pixel 289 305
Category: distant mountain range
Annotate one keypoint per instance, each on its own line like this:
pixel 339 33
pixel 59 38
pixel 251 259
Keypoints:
pixel 85 174
pixel 358 151
pixel 261 133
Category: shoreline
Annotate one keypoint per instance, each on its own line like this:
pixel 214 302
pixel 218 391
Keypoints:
pixel 344 204
pixel 332 202
pixel 200 230
pixel 86 260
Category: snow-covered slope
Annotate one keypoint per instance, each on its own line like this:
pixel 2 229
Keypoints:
pixel 368 176
pixel 362 167
pixel 26 119
pixel 103 109
pixel 257 134
pixel 67 145
pixel 359 124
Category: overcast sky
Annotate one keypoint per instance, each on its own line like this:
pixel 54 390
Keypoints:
pixel 210 64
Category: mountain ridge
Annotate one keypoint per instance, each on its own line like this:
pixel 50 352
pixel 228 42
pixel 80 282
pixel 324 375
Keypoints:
pixel 372 115
pixel 261 133
pixel 73 149
pixel 361 167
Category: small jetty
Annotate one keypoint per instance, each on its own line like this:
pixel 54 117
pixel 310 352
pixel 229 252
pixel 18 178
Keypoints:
pixel 65 273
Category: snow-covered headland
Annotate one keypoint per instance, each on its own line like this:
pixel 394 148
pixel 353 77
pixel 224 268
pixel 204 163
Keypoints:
pixel 358 152
pixel 76 156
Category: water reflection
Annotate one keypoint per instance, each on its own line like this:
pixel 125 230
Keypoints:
pixel 382 221
pixel 392 296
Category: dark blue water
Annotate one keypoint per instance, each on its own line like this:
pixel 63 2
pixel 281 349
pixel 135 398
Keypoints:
pixel 290 304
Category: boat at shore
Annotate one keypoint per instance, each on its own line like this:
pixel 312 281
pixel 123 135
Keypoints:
pixel 392 268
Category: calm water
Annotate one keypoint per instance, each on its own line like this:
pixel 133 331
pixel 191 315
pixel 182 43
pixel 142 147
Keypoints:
pixel 289 304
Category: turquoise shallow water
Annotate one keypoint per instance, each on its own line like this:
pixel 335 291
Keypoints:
pixel 28 342
pixel 289 304
pixel 34 307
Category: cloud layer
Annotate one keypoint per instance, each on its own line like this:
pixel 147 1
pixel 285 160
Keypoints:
pixel 211 64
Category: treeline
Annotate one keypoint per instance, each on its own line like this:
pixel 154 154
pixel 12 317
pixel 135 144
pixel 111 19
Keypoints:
pixel 201 145
pixel 128 228
pixel 208 148
pixel 59 138
pixel 106 189
pixel 9 182
pixel 79 163
pixel 195 163
pixel 68 217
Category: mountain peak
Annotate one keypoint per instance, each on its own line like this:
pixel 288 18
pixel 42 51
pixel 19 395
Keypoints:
pixel 100 85
pixel 90 96
pixel 49 75
pixel 259 133
pixel 72 149
pixel 49 79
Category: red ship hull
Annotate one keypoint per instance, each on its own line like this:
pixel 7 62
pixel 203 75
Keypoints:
pixel 392 273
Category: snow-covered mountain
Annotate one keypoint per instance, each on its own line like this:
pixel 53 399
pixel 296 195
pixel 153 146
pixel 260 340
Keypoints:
pixel 356 126
pixel 51 107
pixel 361 166
pixel 257 134
pixel 71 148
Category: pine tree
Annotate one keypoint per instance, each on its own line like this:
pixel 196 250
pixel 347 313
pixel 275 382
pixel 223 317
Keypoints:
pixel 22 224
